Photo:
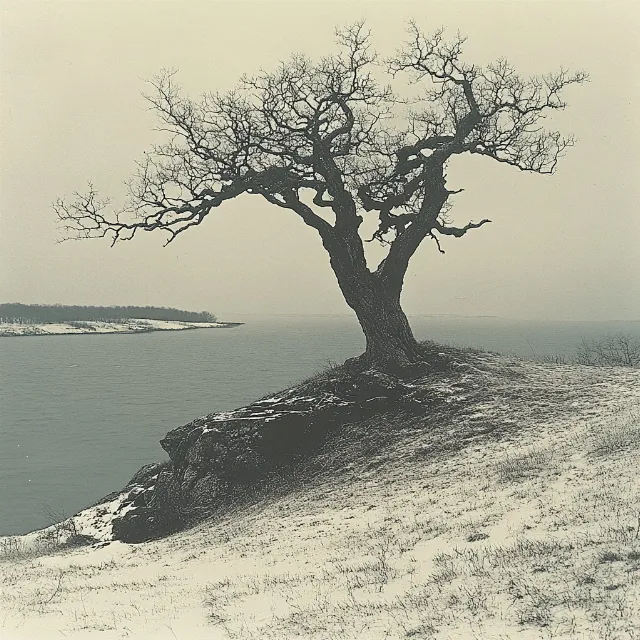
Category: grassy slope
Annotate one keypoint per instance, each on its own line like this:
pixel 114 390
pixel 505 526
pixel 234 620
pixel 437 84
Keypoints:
pixel 513 511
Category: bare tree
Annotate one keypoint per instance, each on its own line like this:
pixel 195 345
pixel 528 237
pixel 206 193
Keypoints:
pixel 613 350
pixel 330 141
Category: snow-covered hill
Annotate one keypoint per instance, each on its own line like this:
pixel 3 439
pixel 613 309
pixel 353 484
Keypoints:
pixel 510 509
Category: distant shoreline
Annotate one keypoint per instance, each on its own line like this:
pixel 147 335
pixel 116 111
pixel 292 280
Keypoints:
pixel 92 327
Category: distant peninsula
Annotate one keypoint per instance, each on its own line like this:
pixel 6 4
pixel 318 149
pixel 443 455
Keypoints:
pixel 18 319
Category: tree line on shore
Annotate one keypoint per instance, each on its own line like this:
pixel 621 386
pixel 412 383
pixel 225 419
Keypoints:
pixel 40 313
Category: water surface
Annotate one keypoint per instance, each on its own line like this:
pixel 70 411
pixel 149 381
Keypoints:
pixel 80 414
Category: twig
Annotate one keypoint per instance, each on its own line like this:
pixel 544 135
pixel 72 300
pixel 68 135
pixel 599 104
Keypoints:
pixel 57 589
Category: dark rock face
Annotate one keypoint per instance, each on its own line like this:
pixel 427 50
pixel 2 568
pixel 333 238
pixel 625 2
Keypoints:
pixel 214 456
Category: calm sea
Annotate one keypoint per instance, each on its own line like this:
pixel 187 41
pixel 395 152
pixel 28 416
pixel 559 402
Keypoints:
pixel 80 414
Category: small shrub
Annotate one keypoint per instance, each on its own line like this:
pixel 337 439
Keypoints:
pixel 558 358
pixel 477 535
pixel 624 434
pixel 81 325
pixel 538 613
pixel 520 466
pixel 424 631
pixel 609 556
pixel 62 532
pixel 613 350
pixel 10 548
pixel 78 540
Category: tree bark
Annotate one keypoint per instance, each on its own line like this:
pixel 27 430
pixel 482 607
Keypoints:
pixel 376 303
pixel 390 341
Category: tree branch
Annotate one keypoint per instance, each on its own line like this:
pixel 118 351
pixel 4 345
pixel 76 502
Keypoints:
pixel 458 232
pixel 332 128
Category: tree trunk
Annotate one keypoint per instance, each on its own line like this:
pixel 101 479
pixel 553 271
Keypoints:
pixel 390 341
pixel 375 298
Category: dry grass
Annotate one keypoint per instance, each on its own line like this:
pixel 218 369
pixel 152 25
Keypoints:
pixel 516 467
pixel 528 527
pixel 621 436
pixel 59 537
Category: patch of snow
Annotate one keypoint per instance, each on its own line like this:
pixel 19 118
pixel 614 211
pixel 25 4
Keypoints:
pixel 132 325
pixel 97 521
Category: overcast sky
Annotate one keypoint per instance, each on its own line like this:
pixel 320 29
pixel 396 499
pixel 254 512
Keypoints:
pixel 72 77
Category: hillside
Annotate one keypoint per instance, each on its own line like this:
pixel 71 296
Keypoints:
pixel 491 498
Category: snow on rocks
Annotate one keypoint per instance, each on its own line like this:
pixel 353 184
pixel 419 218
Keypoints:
pixel 214 456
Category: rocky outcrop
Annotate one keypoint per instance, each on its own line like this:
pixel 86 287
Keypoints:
pixel 456 398
pixel 212 458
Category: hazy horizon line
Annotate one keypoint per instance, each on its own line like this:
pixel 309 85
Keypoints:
pixel 342 314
